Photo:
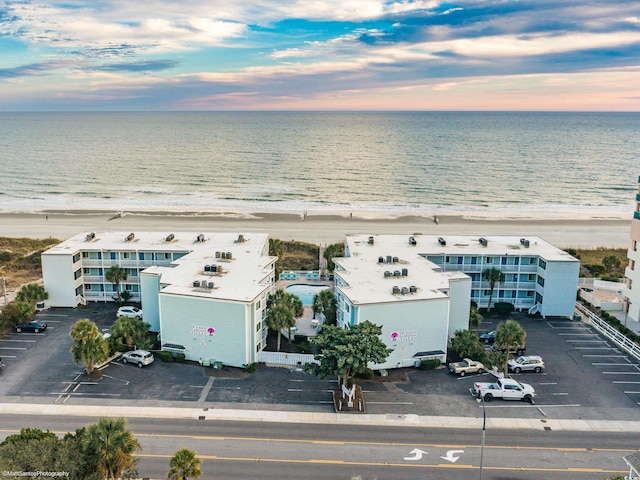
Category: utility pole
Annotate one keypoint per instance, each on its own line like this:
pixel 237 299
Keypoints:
pixel 484 430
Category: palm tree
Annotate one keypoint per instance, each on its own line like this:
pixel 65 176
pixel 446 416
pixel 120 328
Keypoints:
pixel 610 262
pixel 509 335
pixel 467 344
pixel 325 302
pixel 475 318
pixel 32 293
pixel 332 251
pixel 493 276
pixel 184 465
pixel 89 346
pixel 277 248
pixel 279 316
pixel 116 274
pixel 129 331
pixel 110 447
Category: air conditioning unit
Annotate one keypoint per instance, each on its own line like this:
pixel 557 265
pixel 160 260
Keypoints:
pixel 483 241
pixel 405 272
pixel 240 238
pixel 130 237
pixel 207 268
pixel 170 237
pixel 412 241
pixel 370 240
pixel 90 236
pixel 200 238
pixel 442 241
pixel 227 255
pixel 210 285
pixel 196 283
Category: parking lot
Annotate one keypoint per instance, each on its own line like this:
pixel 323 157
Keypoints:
pixel 585 377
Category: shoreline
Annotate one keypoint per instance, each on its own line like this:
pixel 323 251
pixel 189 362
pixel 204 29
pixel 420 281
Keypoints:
pixel 320 227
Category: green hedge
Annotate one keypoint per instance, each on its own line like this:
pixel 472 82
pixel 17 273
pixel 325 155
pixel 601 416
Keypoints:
pixel 429 364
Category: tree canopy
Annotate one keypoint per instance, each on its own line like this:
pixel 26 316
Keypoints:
pixel 467 344
pixel 32 294
pixel 509 335
pixel 128 332
pixel 88 345
pixel 325 303
pixel 116 274
pixel 332 251
pixel 346 352
pixel 184 465
pixel 110 448
pixel 493 276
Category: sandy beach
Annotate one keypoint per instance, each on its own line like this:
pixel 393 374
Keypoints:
pixel 317 227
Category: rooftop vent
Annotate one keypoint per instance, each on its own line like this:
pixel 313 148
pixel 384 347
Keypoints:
pixel 170 237
pixel 483 241
pixel 200 238
pixel 370 240
pixel 395 259
pixel 380 259
pixel 405 272
pixel 210 285
pixel 214 268
pixel 207 268
pixel 395 290
pixel 90 236
pixel 413 289
pixel 387 274
pixel 240 238
pixel 524 242
pixel 442 241
pixel 388 258
pixel 412 241
pixel 396 273
pixel 227 255
pixel 405 290
pixel 196 283
pixel 130 237
pixel 218 254
pixel 218 268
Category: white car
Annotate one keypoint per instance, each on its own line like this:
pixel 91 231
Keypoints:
pixel 132 312
pixel 138 357
pixel 526 363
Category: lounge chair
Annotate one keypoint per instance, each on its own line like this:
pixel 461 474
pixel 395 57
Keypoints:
pixel 294 275
pixel 309 275
pixel 316 276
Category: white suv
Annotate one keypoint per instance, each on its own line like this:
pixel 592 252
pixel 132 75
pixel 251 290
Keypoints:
pixel 131 312
pixel 526 363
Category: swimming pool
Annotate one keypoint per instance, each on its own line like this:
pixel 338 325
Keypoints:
pixel 305 292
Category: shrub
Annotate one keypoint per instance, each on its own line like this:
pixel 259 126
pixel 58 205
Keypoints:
pixel 252 367
pixel 366 374
pixel 429 364
pixel 504 308
pixel 595 269
pixel 165 356
pixel 180 357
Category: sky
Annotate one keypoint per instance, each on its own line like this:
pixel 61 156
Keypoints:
pixel 155 55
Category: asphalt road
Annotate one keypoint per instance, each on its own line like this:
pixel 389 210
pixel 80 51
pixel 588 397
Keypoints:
pixel 236 450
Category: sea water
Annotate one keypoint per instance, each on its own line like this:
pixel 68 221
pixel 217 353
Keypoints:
pixel 395 162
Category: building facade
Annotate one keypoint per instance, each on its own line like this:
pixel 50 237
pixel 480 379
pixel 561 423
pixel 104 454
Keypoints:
pixel 632 271
pixel 206 294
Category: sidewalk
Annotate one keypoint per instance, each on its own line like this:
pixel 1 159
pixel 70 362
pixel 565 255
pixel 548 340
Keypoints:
pixel 205 413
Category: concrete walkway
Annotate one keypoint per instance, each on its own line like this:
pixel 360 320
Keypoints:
pixel 207 413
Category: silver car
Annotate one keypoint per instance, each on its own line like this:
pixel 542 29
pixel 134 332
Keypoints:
pixel 138 357
pixel 526 363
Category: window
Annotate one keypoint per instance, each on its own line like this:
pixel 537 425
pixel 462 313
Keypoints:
pixel 77 274
pixel 141 256
pixel 475 294
pixel 474 260
pixel 503 260
pixel 542 264
pixel 489 260
pixel 516 261
pixel 79 290
pixel 112 255
pixel 258 305
pixel 258 326
pixel 541 281
pixel 346 307
pixel 76 258
pixel 85 254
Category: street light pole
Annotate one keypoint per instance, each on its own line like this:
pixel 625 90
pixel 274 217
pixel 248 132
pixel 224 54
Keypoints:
pixel 484 430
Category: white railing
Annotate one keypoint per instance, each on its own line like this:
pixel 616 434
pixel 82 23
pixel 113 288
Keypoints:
pixel 608 331
pixel 282 358
pixel 596 302
pixel 601 284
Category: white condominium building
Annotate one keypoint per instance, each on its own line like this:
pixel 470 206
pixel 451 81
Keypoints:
pixel 419 288
pixel 632 272
pixel 205 293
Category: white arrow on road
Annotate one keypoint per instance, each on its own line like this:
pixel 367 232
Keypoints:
pixel 451 457
pixel 417 454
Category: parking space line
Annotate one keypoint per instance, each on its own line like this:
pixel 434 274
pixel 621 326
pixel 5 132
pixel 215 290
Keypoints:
pixel 51 315
pixel 567 334
pixel 8 356
pixel 548 383
pixel 559 394
pixel 607 356
pixel 595 348
pixel 631 392
pixel 17 341
pixel 390 403
pixel 587 341
pixel 622 381
pixel 621 373
pixel 13 348
pixel 614 364
pixel 89 394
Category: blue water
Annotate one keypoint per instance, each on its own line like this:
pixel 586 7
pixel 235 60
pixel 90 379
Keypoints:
pixel 409 162
pixel 305 292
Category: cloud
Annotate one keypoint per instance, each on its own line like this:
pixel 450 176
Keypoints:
pixel 142 66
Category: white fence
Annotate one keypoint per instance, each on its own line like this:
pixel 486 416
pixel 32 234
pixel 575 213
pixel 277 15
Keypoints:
pixel 608 331
pixel 602 284
pixel 282 358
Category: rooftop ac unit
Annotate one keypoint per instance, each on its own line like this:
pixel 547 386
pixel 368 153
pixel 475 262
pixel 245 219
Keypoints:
pixel 395 290
pixel 483 241
pixel 395 259
pixel 90 236
pixel 227 255
pixel 396 273
pixel 405 290
pixel 130 237
pixel 442 241
pixel 207 268
pixel 405 272
pixel 217 254
pixel 387 274
pixel 388 258
pixel 200 238
pixel 240 238
pixel 210 285
pixel 370 240
pixel 196 283
pixel 214 268
pixel 170 237
pixel 380 259
pixel 413 289
pixel 412 241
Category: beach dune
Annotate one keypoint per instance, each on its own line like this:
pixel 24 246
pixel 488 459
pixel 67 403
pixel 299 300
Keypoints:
pixel 317 228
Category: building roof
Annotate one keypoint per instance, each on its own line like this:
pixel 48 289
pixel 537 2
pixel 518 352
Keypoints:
pixel 633 461
pixel 496 245
pixel 243 276
pixel 365 275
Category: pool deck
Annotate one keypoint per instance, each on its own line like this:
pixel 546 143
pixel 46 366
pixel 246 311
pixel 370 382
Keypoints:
pixel 304 322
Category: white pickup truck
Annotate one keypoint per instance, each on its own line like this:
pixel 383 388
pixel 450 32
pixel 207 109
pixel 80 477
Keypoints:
pixel 506 388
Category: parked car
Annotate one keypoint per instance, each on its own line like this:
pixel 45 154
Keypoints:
pixel 32 326
pixel 132 312
pixel 138 357
pixel 1 363
pixel 506 388
pixel 488 337
pixel 519 350
pixel 526 363
pixel 466 365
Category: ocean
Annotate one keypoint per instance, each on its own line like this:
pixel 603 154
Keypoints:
pixel 418 163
